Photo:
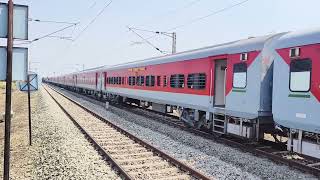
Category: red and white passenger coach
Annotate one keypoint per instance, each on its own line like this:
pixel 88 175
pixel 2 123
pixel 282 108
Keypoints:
pixel 249 87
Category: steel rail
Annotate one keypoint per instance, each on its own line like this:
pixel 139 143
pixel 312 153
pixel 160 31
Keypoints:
pixel 91 139
pixel 233 142
pixel 162 154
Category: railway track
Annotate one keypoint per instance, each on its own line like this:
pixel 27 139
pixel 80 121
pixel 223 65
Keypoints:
pixel 265 149
pixel 130 156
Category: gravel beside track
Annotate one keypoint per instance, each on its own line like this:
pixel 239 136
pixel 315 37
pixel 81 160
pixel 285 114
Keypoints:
pixel 139 162
pixel 60 151
pixel 215 159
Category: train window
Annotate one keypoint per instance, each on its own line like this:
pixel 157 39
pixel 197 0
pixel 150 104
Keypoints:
pixel 240 75
pixel 177 81
pixel 150 80
pixel 147 80
pixel 158 80
pixel 197 81
pixel 165 81
pixel 119 80
pixel 140 80
pixel 122 80
pixel 300 75
pixel 133 80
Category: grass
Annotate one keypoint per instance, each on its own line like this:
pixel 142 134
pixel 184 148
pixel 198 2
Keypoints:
pixel 2 85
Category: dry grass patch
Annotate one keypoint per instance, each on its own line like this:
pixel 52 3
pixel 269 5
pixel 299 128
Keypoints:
pixel 2 85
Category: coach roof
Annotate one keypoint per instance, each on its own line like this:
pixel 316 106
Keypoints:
pixel 299 38
pixel 245 45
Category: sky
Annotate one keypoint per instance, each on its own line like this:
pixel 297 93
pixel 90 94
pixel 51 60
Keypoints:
pixel 107 41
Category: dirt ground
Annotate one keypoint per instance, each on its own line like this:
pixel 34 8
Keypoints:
pixel 19 133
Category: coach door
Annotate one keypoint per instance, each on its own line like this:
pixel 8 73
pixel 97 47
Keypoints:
pixel 99 81
pixel 219 81
pixel 74 80
pixel 102 79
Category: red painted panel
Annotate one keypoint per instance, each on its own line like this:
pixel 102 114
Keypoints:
pixel 202 65
pixel 312 52
pixel 87 79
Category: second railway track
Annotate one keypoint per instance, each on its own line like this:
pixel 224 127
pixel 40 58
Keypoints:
pixel 132 157
pixel 264 149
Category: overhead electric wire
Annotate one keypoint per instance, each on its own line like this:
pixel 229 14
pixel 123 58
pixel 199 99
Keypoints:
pixel 93 20
pixel 208 15
pixel 47 35
pixel 67 49
pixel 155 32
pixel 148 42
pixel 93 5
pixel 190 4
pixel 44 36
pixel 203 17
pixel 143 30
pixel 48 21
pixel 156 18
pixel 62 37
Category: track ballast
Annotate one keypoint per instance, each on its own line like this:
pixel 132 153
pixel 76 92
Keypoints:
pixel 131 157
pixel 266 149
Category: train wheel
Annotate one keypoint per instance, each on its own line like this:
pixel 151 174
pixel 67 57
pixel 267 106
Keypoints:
pixel 204 124
pixel 186 119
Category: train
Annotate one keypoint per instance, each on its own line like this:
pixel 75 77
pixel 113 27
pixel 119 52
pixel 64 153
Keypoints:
pixel 246 88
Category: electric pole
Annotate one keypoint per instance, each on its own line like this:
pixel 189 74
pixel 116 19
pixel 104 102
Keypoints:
pixel 174 43
pixel 6 173
pixel 172 35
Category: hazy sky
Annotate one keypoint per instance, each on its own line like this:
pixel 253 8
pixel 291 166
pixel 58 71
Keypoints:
pixel 108 42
